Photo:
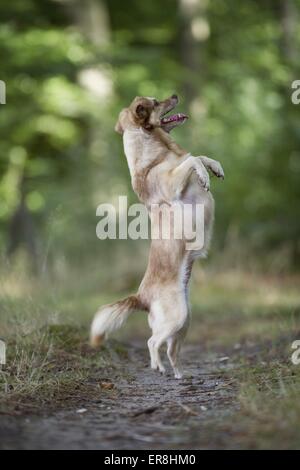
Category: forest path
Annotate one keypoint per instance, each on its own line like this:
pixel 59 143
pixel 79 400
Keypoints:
pixel 137 408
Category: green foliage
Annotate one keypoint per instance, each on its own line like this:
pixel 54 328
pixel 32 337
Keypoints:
pixel 70 68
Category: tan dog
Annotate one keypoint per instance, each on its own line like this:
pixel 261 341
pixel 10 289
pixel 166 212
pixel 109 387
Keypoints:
pixel 161 173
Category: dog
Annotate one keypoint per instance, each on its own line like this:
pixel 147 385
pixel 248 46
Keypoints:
pixel 162 173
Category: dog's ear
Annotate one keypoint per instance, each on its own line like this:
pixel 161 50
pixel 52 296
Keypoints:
pixel 119 127
pixel 142 112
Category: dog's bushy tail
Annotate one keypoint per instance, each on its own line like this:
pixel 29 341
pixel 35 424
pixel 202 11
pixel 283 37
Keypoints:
pixel 112 316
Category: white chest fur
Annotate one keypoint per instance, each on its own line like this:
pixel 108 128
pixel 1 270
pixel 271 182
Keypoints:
pixel 133 148
pixel 140 149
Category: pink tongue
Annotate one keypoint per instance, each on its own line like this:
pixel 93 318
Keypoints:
pixel 174 117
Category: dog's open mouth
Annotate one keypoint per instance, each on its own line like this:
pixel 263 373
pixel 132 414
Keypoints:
pixel 170 121
pixel 174 118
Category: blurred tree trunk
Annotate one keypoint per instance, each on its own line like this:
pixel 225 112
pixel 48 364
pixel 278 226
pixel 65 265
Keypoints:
pixel 21 230
pixel 289 19
pixel 92 18
pixel 288 16
pixel 194 30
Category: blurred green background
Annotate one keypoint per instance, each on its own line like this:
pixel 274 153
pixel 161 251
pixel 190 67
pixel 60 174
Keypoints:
pixel 71 65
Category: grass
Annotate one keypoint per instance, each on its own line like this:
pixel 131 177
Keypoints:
pixel 269 414
pixel 46 368
pixel 45 326
pixel 250 318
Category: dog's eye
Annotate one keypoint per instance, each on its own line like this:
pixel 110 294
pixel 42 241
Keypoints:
pixel 155 102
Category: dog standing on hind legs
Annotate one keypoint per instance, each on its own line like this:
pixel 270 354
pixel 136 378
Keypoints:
pixel 163 174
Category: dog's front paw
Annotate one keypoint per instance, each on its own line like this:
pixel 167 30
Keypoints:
pixel 214 166
pixel 217 169
pixel 203 176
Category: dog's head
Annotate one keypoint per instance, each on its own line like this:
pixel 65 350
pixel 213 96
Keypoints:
pixel 149 113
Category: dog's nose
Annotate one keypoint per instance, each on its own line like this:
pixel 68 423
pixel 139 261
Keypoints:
pixel 174 97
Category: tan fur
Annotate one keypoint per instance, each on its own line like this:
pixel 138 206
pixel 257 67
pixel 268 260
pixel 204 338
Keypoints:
pixel 161 173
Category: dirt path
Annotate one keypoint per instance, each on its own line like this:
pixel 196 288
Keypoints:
pixel 137 409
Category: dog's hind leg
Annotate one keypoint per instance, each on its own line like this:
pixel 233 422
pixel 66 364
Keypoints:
pixel 150 343
pixel 174 339
pixel 156 363
pixel 156 319
pixel 174 344
pixel 169 320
